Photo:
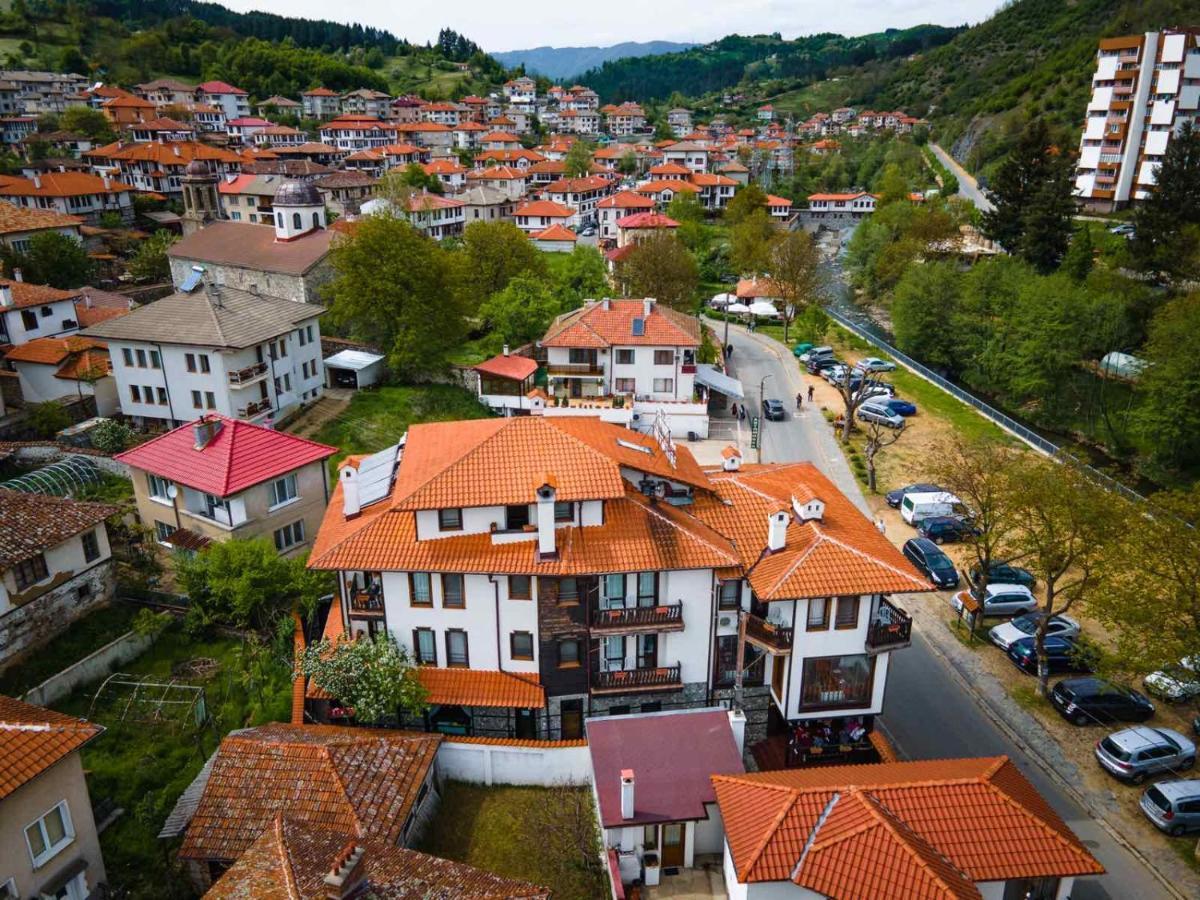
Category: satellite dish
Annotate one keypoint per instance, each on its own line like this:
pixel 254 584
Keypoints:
pixel 172 491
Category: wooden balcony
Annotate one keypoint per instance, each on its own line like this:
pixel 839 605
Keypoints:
pixel 638 619
pixel 890 628
pixel 254 409
pixel 248 375
pixel 574 370
pixel 775 639
pixel 623 681
pixel 366 603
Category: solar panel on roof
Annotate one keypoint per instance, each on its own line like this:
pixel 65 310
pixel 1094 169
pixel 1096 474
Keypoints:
pixel 193 280
pixel 375 474
pixel 639 327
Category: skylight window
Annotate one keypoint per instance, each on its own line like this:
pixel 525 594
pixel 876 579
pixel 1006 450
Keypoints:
pixel 639 327
pixel 628 445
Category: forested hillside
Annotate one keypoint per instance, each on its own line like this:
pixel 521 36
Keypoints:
pixel 567 62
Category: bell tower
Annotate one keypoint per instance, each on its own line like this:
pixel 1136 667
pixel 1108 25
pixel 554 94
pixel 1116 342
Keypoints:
pixel 201 204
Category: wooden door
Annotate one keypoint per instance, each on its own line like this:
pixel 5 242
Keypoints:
pixel 778 669
pixel 571 713
pixel 672 844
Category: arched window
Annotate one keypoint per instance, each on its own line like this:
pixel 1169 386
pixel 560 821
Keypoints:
pixel 296 221
pixel 316 220
pixel 279 220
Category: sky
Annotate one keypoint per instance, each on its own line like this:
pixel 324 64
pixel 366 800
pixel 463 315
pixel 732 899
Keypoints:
pixel 533 23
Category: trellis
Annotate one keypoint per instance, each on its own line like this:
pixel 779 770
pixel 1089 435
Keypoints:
pixel 59 478
pixel 126 698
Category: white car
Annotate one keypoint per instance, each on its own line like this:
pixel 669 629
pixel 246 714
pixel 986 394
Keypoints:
pixel 835 375
pixel 876 389
pixel 1025 626
pixel 874 364
pixel 1176 683
pixel 1001 600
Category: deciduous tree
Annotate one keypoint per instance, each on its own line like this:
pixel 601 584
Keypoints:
pixel 578 160
pixel 373 675
pixel 750 243
pixel 492 254
pixel 746 201
pixel 53 259
pixel 798 273
pixel 1168 414
pixel 660 267
pixel 150 262
pixel 581 275
pixel 522 311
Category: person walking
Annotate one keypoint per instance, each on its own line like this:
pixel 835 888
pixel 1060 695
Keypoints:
pixel 810 393
pixel 799 401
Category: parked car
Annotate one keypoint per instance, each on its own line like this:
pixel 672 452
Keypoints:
pixel 1063 654
pixel 874 411
pixel 918 505
pixel 1176 683
pixel 872 390
pixel 1135 753
pixel 835 374
pixel 1082 701
pixel 900 407
pixel 1173 806
pixel 936 565
pixel 1000 600
pixel 801 348
pixel 941 529
pixel 773 410
pixel 1123 228
pixel 893 498
pixel 1003 573
pixel 875 364
pixel 812 353
pixel 819 364
pixel 1004 634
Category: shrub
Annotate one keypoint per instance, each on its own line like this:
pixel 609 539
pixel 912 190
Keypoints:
pixel 48 419
pixel 111 436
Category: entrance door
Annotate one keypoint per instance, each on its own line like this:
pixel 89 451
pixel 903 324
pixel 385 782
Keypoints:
pixel 672 844
pixel 526 724
pixel 576 387
pixel 647 651
pixel 571 715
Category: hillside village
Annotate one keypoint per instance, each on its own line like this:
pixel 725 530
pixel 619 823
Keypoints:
pixel 525 495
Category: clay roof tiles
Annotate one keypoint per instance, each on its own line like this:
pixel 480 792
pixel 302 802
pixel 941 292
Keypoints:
pixel 33 739
pixel 481 687
pixel 15 219
pixel 594 326
pixel 34 523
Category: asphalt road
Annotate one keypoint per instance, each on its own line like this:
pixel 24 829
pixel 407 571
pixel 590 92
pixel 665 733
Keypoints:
pixel 929 714
pixel 967 186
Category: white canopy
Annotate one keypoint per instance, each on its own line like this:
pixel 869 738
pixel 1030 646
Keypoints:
pixel 763 308
pixel 722 299
pixel 353 359
pixel 718 381
pixel 737 308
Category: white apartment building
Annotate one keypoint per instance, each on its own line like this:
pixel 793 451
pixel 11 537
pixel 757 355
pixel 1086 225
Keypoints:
pixel 687 153
pixel 582 194
pixel 617 206
pixel 320 103
pixel 1143 90
pixel 853 205
pixel 680 121
pixel 232 100
pixel 538 215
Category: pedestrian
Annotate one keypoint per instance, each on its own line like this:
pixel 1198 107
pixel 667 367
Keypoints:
pixel 742 412
pixel 810 393
pixel 881 525
pixel 733 410
pixel 799 401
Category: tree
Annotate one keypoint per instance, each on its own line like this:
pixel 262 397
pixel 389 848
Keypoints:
pixel 393 286
pixel 878 437
pixel 750 243
pixel 522 311
pixel 746 201
pixel 151 263
pixel 1077 264
pixel 247 584
pixel 578 160
pixel 54 259
pixel 685 207
pixel 1168 413
pixel 893 187
pixel 1049 217
pixel 373 675
pixel 87 121
pixel 493 253
pixel 798 274
pixel 1167 222
pixel 414 178
pixel 627 164
pixel 48 418
pixel 660 267
pixel 922 313
pixel 110 436
pixel 581 275
pixel 854 393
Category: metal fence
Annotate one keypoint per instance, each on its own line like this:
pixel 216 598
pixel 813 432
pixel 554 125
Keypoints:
pixel 1009 424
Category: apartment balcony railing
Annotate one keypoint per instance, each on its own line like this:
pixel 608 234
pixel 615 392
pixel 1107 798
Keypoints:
pixel 638 619
pixel 248 375
pixel 620 681
pixel 369 603
pixel 890 628
pixel 775 639
pixel 254 409
pixel 574 369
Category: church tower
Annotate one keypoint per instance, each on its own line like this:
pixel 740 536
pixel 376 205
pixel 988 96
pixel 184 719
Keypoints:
pixel 201 204
pixel 299 209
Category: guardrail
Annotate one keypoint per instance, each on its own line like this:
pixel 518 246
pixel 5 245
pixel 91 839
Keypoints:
pixel 1009 424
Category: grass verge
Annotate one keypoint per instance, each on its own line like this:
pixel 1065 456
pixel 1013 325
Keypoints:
pixel 85 636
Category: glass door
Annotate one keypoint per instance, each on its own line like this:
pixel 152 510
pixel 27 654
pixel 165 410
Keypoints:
pixel 647 651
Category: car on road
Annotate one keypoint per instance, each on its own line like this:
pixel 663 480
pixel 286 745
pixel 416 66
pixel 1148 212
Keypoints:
pixel 874 411
pixel 933 563
pixel 874 364
pixel 893 498
pixel 773 410
pixel 1000 600
pixel 1063 654
pixel 1003 573
pixel 1082 701
pixel 1135 753
pixel 1006 633
pixel 900 407
pixel 588 231
pixel 941 529
pixel 819 364
pixel 1176 683
pixel 1173 806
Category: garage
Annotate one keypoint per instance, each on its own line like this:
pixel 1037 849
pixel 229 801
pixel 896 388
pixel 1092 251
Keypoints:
pixel 353 369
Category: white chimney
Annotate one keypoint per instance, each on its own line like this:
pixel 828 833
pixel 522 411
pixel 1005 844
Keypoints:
pixel 812 510
pixel 176 149
pixel 351 505
pixel 627 793
pixel 737 722
pixel 204 430
pixel 6 298
pixel 545 522
pixel 18 275
pixel 37 182
pixel 777 523
pixel 505 351
pixel 647 306
pixel 732 458
pixel 106 181
pixel 606 303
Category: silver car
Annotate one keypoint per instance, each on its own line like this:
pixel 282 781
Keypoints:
pixel 877 412
pixel 1140 751
pixel 1173 806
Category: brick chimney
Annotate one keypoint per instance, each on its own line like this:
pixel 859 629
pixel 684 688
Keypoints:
pixel 347 873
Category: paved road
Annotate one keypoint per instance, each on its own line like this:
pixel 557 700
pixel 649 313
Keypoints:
pixel 967 186
pixel 930 714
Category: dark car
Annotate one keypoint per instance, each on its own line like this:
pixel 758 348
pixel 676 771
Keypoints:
pixel 1083 701
pixel 894 498
pixel 936 565
pixel 1062 655
pixel 901 407
pixel 941 529
pixel 1004 573
pixel 773 409
pixel 817 366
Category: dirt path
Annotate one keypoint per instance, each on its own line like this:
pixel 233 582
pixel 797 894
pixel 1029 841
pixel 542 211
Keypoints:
pixel 329 407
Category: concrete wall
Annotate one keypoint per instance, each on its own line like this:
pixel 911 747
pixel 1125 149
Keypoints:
pixel 91 668
pixel 44 325
pixel 481 763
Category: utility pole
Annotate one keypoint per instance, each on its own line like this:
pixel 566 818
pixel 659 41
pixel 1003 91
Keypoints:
pixel 762 386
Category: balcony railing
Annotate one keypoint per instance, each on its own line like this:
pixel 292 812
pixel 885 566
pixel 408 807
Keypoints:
pixel 890 628
pixel 248 374
pixel 368 603
pixel 638 619
pixel 253 409
pixel 619 681
pixel 775 639
pixel 575 369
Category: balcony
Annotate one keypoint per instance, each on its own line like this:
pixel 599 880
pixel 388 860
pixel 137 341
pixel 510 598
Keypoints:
pixel 574 370
pixel 775 639
pixel 247 376
pixel 890 628
pixel 623 681
pixel 638 619
pixel 366 603
pixel 253 409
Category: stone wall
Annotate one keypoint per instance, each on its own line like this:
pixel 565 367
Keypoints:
pixel 92 667
pixel 47 615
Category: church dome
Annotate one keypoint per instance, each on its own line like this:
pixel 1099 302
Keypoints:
pixel 297 193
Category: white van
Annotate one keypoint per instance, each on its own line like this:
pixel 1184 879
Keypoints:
pixel 915 507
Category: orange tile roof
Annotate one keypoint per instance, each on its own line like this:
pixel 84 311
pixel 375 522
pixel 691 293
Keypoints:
pixel 481 687
pixel 707 179
pixel 512 742
pixel 33 739
pixel 89 364
pixel 555 233
pixel 15 219
pixel 658 186
pixel 545 208
pixel 594 326
pixel 646 220
pixel 358 781
pixel 750 288
pixel 931 829
pixel 578 185
pixel 506 156
pixel 626 200
pixel 61 184
pixel 502 173
pixel 26 294
pixel 52 351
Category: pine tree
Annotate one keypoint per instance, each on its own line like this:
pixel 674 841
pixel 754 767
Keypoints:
pixel 1163 242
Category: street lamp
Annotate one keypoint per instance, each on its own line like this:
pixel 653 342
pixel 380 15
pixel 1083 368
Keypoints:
pixel 762 419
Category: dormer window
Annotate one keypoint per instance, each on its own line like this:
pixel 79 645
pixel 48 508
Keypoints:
pixel 564 512
pixel 450 519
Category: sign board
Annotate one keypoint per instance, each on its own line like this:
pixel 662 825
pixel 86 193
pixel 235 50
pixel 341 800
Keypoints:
pixel 754 432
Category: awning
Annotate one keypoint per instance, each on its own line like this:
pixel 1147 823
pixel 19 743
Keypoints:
pixel 710 377
pixel 352 359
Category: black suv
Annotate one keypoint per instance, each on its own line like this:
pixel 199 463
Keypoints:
pixel 895 497
pixel 1003 573
pixel 1084 701
pixel 936 565
pixel 940 529
pixel 817 366
pixel 773 410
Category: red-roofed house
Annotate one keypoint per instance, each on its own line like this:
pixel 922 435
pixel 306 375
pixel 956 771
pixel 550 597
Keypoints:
pixel 642 225
pixel 780 208
pixel 555 239
pixel 853 205
pixel 505 382
pixel 538 215
pixel 52 368
pixel 223 478
pixel 233 100
pixel 617 206
pixel 581 193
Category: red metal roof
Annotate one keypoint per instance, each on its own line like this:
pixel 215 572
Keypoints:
pixel 239 456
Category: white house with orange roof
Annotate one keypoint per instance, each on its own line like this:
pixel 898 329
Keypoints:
pixel 618 206
pixel 851 205
pixel 538 215
pixel 512 180
pixel 715 190
pixel 321 103
pixel 640 226
pixel 583 194
pixel 779 208
pixel 688 153
pixel 663 190
pixel 450 172
pixel 437 216
pixel 70 193
pixel 555 239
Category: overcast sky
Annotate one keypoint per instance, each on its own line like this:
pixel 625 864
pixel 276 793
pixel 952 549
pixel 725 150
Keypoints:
pixel 499 26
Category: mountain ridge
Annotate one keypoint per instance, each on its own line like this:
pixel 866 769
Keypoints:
pixel 567 62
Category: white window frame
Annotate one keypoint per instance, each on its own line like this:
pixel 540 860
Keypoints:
pixel 289 480
pixel 8 890
pixel 153 483
pixel 52 850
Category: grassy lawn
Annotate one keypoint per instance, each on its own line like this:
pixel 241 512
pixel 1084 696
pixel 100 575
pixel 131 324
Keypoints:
pixel 376 419
pixel 143 767
pixel 497 829
pixel 85 636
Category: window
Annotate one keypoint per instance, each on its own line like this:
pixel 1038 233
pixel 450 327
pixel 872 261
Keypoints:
pixel 210 400
pixel 664 357
pixel 614 652
pixel 127 356
pixel 456 648
pixel 158 487
pixel 289 535
pixel 155 360
pixel 419 591
pixel 283 490
pixel 162 396
pixel 847 612
pixel 49 834
pixel 832 681
pixel 141 358
pixel 29 572
pixel 91 547
pixel 29 320
pixel 650 837
pixel 516 517
pixel 568 653
pixel 579 356
pixel 213 505
pixel 518 587
pixel 204 364
pixel 135 393
pixel 450 519
pixel 730 596
pixel 614 591
pixel 664 385
pixel 520 645
pixel 425 646
pixel 296 221
pixel 818 614
pixel 625 356
pixel 625 385
pixel 564 512
pixel 162 531
pixel 568 590
pixel 189 361
pixel 196 400
pixel 452 592
pixel 647 588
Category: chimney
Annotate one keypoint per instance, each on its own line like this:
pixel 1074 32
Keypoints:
pixel 732 459
pixel 777 523
pixel 87 300
pixel 347 874
pixel 737 722
pixel 545 521
pixel 18 275
pixel 204 431
pixel 627 793
pixel 505 350
pixel 647 306
pixel 175 147
pixel 811 510
pixel 37 182
pixel 106 181
pixel 351 505
pixel 606 303
pixel 6 297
